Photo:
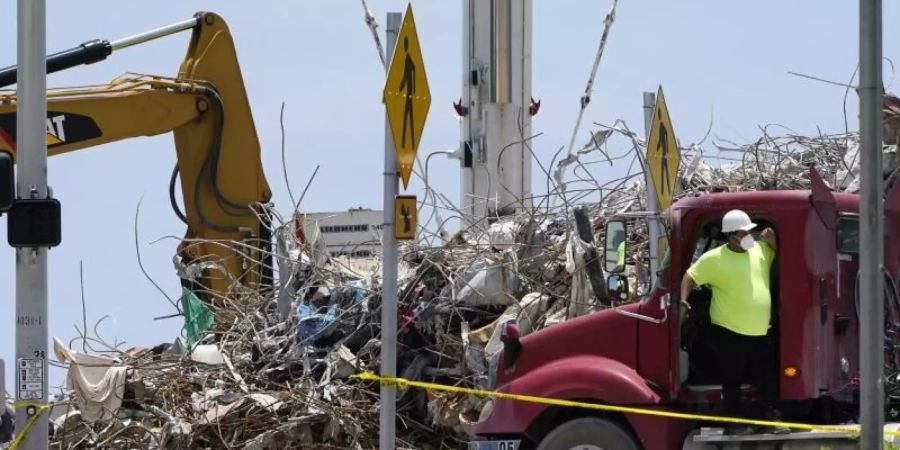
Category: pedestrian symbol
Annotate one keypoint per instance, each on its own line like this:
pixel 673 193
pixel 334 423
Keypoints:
pixel 662 147
pixel 406 96
pixel 663 155
pixel 409 83
pixel 405 216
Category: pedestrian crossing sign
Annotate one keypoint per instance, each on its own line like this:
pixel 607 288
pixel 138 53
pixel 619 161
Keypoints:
pixel 405 216
pixel 663 155
pixel 406 96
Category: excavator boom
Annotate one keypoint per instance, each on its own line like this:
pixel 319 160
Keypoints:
pixel 218 154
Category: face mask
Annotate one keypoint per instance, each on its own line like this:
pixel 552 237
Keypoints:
pixel 747 242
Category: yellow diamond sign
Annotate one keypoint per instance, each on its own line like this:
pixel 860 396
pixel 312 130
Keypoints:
pixel 406 95
pixel 663 155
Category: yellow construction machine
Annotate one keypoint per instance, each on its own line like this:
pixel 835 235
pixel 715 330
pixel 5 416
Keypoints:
pixel 224 190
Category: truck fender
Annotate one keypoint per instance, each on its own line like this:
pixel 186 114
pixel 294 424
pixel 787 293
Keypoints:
pixel 584 377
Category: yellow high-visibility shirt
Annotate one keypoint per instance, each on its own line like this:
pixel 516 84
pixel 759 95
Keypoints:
pixel 620 254
pixel 741 299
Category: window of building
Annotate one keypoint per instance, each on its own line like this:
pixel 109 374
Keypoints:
pixel 344 228
pixel 353 254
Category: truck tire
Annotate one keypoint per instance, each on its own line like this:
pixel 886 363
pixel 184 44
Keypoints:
pixel 588 433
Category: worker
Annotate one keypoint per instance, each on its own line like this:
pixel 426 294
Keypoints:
pixel 740 312
pixel 620 285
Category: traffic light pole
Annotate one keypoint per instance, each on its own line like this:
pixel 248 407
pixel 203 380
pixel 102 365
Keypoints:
pixel 31 262
pixel 387 432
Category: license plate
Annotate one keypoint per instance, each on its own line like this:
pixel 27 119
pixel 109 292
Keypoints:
pixel 494 445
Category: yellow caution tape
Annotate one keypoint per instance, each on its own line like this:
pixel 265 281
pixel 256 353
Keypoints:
pixel 20 436
pixel 402 383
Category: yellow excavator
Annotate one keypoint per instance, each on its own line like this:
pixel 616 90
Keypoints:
pixel 224 190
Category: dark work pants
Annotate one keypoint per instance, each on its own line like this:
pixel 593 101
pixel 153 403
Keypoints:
pixel 745 359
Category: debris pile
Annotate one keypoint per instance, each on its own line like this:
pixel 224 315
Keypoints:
pixel 274 368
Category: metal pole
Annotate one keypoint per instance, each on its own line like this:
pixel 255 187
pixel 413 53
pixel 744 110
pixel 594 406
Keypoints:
pixel 652 205
pixel 31 263
pixel 96 50
pixel 870 227
pixel 387 432
pixel 155 34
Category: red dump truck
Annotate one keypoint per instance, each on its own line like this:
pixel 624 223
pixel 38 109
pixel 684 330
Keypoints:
pixel 642 354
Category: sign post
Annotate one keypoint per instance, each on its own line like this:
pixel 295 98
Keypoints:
pixel 406 101
pixel 388 395
pixel 652 206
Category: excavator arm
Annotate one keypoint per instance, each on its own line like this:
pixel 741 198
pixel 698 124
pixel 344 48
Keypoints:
pixel 218 154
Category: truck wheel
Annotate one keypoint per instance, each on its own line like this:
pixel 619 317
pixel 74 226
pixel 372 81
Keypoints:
pixel 588 433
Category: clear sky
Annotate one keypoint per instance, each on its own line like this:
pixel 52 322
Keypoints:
pixel 318 56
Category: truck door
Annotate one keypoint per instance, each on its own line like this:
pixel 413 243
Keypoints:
pixel 699 231
pixel 697 364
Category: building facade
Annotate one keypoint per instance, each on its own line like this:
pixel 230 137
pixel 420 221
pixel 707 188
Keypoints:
pixel 353 233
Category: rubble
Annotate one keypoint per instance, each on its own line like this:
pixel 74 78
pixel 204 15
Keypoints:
pixel 97 382
pixel 273 369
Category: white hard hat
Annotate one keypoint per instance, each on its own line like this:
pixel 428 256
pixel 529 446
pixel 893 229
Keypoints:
pixel 736 220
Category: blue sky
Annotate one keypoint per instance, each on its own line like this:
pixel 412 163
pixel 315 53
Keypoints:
pixel 318 56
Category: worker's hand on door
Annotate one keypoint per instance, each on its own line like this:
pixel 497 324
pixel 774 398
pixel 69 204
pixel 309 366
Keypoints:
pixel 768 235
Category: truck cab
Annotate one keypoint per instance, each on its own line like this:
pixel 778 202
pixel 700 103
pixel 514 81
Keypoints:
pixel 650 354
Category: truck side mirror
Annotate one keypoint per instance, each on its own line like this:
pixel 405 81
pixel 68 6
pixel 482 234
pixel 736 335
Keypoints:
pixel 7 181
pixel 615 246
pixel 617 286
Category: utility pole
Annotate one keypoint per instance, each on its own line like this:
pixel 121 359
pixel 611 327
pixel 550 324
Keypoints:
pixel 31 262
pixel 871 230
pixel 652 204
pixel 387 432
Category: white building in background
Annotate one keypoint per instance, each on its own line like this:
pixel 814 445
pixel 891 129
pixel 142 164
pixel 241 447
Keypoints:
pixel 354 233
